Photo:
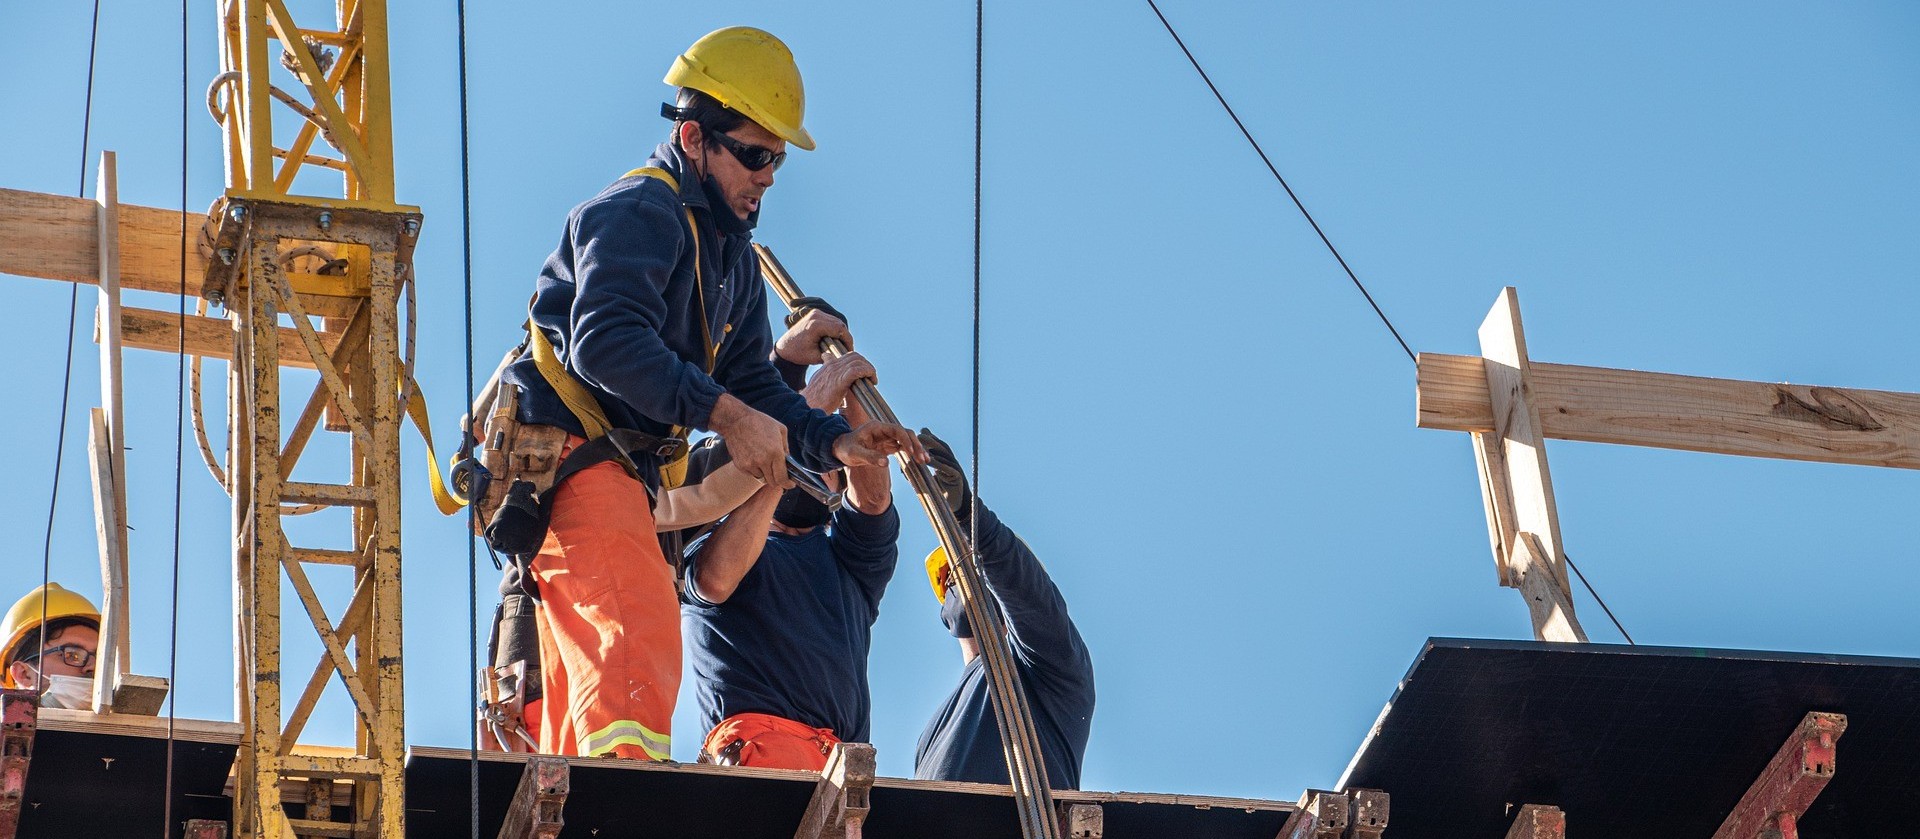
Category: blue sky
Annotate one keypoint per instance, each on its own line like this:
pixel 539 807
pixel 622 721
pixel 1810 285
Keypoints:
pixel 1188 411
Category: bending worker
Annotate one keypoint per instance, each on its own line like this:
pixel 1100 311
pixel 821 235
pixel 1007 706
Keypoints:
pixel 52 635
pixel 962 743
pixel 780 604
pixel 650 317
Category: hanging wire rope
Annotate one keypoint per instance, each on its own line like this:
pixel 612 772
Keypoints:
pixel 73 312
pixel 1316 229
pixel 1283 181
pixel 179 442
pixel 473 578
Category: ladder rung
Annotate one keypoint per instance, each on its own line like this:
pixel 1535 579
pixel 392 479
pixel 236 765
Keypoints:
pixel 308 827
pixel 322 556
pixel 297 492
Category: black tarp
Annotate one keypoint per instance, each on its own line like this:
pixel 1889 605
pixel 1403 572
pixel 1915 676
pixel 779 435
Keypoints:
pixel 1635 740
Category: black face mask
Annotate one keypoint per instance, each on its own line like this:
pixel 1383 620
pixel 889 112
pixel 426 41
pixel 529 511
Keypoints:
pixel 799 510
pixel 953 613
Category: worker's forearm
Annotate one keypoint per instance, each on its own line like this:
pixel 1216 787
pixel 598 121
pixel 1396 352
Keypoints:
pixel 734 548
pixel 869 489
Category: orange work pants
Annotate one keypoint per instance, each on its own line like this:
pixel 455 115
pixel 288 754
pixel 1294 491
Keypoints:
pixel 770 742
pixel 609 622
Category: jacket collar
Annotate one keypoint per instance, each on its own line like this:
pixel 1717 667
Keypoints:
pixel 693 192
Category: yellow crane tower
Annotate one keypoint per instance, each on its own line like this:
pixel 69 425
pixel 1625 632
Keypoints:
pixel 336 265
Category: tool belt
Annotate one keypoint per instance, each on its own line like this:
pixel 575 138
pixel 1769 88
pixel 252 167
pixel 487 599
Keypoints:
pixel 523 466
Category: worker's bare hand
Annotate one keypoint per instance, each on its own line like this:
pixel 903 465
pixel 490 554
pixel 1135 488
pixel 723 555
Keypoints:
pixel 800 344
pixel 758 442
pixel 870 444
pixel 830 386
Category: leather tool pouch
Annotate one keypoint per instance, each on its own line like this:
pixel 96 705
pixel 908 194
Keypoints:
pixel 520 461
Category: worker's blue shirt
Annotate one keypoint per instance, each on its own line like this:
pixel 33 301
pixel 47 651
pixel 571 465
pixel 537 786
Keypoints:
pixel 620 303
pixel 962 743
pixel 792 641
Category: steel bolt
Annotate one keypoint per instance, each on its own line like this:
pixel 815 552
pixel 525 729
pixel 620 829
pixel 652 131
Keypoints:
pixel 326 220
pixel 226 256
pixel 237 214
pixel 216 297
pixel 413 227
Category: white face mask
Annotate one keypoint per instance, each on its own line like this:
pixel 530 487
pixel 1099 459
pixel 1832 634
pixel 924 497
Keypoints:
pixel 74 692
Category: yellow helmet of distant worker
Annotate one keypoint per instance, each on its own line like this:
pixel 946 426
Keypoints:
pixel 46 604
pixel 937 563
pixel 749 71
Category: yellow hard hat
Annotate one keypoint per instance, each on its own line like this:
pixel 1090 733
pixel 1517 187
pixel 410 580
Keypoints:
pixel 750 71
pixel 937 564
pixel 48 603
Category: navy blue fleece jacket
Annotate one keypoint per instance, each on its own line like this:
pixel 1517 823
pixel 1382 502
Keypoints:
pixel 962 743
pixel 619 301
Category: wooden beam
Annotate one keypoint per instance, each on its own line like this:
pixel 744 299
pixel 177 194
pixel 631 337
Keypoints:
pixel 56 237
pixel 1798 772
pixel 1690 413
pixel 110 532
pixel 147 329
pixel 1549 607
pixel 19 713
pixel 1516 424
pixel 136 694
pixel 1496 498
pixel 535 812
pixel 840 798
pixel 1538 821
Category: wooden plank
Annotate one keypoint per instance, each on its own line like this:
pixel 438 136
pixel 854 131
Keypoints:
pixel 1538 821
pixel 56 237
pixel 148 329
pixel 109 530
pixel 113 573
pixel 1790 782
pixel 1496 498
pixel 1548 606
pixel 127 725
pixel 1691 413
pixel 136 694
pixel 536 811
pixel 1516 421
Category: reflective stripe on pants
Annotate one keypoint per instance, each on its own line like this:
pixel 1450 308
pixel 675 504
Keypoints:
pixel 609 621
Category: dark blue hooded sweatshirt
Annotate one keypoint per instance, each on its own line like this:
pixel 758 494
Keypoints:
pixel 619 302
pixel 962 743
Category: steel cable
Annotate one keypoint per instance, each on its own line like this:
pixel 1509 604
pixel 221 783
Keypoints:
pixel 473 579
pixel 1330 248
pixel 179 441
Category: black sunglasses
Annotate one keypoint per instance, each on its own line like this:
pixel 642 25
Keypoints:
pixel 73 654
pixel 751 156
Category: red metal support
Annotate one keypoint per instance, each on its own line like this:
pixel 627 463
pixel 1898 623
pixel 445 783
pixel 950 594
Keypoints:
pixel 1774 804
pixel 206 829
pixel 1539 821
pixel 535 812
pixel 1322 815
pixel 19 714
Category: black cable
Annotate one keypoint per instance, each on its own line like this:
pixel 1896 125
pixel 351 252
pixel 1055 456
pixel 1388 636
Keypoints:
pixel 1324 240
pixel 179 438
pixel 73 312
pixel 1283 181
pixel 1596 597
pixel 473 578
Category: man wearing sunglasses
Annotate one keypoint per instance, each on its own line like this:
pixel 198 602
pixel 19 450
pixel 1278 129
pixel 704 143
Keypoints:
pixel 651 314
pixel 52 634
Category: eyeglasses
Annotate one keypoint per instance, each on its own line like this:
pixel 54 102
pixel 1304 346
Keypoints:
pixel 74 655
pixel 755 158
